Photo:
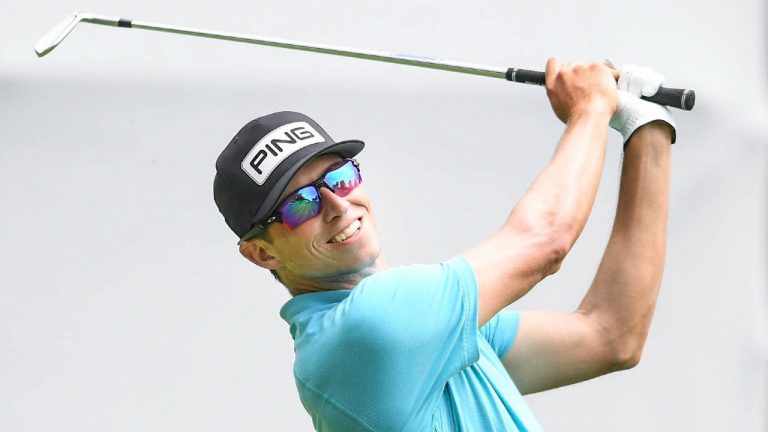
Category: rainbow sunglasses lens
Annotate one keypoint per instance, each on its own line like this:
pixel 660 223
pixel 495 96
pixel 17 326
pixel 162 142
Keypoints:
pixel 304 204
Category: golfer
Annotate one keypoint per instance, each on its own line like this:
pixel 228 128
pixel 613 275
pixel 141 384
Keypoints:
pixel 430 347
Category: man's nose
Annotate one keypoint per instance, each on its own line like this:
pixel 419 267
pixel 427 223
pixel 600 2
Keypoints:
pixel 333 205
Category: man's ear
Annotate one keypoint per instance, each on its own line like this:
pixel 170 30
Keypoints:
pixel 256 253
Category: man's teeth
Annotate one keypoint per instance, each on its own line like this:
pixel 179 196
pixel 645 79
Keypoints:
pixel 351 229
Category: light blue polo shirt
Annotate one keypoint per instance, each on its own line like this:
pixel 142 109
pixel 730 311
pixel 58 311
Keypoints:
pixel 402 352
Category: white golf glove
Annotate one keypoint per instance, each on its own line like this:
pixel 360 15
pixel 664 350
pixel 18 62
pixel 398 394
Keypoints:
pixel 633 112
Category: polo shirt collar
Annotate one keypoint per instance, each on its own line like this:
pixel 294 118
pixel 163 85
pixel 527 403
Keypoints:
pixel 306 304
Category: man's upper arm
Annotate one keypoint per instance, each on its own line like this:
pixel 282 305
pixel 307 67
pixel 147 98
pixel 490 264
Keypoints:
pixel 554 349
pixel 508 265
pixel 501 330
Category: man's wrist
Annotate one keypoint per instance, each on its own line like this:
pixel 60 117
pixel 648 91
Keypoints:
pixel 655 137
pixel 594 113
pixel 656 131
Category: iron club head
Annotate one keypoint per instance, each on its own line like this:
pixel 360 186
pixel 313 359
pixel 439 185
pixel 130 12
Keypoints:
pixel 50 40
pixel 54 37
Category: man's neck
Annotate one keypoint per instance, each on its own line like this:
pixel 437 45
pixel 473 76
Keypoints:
pixel 298 284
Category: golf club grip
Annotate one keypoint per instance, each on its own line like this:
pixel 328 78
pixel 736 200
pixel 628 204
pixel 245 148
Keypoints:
pixel 683 99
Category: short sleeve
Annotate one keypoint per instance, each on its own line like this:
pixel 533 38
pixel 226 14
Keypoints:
pixel 501 331
pixel 395 342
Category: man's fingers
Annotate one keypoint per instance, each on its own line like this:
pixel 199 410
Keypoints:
pixel 655 80
pixel 633 79
pixel 639 80
pixel 613 67
pixel 623 81
pixel 553 65
pixel 650 89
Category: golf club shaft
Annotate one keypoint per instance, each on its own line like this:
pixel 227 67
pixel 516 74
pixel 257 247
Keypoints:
pixel 678 98
pixel 386 57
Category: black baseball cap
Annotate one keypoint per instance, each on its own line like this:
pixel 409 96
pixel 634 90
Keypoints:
pixel 254 169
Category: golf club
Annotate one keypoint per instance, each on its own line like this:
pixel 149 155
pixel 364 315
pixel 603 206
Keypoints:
pixel 674 97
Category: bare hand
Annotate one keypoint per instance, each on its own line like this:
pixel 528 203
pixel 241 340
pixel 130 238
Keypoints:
pixel 579 88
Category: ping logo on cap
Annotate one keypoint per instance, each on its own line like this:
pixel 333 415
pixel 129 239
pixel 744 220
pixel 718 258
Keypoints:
pixel 276 146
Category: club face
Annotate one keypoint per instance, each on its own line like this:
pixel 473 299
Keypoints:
pixel 51 39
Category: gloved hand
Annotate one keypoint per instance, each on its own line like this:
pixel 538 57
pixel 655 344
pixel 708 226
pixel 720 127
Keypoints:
pixel 633 112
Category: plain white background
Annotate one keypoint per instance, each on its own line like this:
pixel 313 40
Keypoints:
pixel 125 306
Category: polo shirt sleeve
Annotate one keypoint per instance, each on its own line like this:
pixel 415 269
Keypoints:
pixel 501 331
pixel 406 331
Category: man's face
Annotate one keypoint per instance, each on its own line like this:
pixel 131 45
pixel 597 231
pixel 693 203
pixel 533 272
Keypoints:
pixel 312 250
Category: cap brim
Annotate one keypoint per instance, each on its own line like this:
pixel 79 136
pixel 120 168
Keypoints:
pixel 345 149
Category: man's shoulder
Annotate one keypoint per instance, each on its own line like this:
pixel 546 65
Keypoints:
pixel 418 273
pixel 384 308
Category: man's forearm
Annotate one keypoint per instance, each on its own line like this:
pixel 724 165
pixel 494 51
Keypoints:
pixel 623 294
pixel 562 195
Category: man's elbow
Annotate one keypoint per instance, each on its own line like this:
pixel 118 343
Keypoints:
pixel 550 236
pixel 626 355
pixel 614 350
pixel 557 245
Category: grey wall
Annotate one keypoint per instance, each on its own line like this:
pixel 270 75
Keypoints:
pixel 125 306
